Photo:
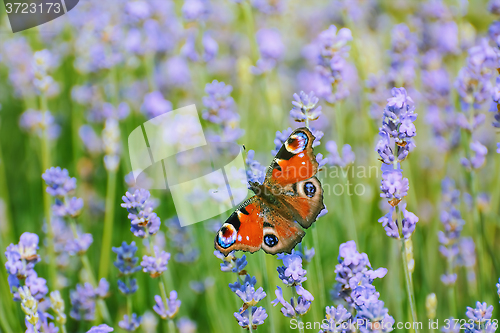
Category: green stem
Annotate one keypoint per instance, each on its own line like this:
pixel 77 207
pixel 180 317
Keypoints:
pixel 299 318
pixel 317 257
pixel 149 59
pixel 162 283
pixel 129 304
pixel 90 273
pixel 4 193
pixel 319 267
pixel 171 326
pixel 451 289
pixel 478 235
pixel 263 258
pixel 45 156
pixel 351 225
pixel 250 26
pixel 3 320
pixel 108 224
pixel 250 319
pixel 409 285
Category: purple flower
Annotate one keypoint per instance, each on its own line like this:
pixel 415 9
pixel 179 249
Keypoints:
pixel 131 323
pixel 195 10
pixel 291 273
pixel 335 159
pixel 37 285
pixel 256 172
pixel 355 266
pixel 287 309
pixel 103 328
pixel 384 148
pixel 269 7
pixel 409 222
pixel 155 104
pixel 270 44
pixel 393 185
pixel 138 9
pixel 397 128
pixel 210 47
pixel 36 121
pixel 473 81
pixel 452 327
pixel 271 50
pixel 58 181
pixel 451 220
pixel 375 318
pixel 83 302
pixel 157 264
pixel 400 98
pixel 175 72
pixel 143 220
pixel 480 154
pixel 79 245
pixel 337 320
pixel 21 258
pixel 258 316
pixel 219 104
pixel 68 208
pixel 494 7
pixel 231 263
pixel 403 53
pixel 390 226
pixel 249 295
pixel 305 107
pixel 173 305
pixel 449 279
pixel 126 262
pixel 304 253
pixel 481 318
pixel 83 299
pixel 186 325
pixel 248 280
pixel 102 289
pixel 129 289
pixel 331 63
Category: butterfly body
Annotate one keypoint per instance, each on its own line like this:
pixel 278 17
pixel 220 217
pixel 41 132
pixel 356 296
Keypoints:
pixel 289 200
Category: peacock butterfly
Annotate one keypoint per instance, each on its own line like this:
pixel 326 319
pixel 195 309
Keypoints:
pixel 290 199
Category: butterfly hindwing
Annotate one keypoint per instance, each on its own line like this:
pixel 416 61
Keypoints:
pixel 255 225
pixel 304 200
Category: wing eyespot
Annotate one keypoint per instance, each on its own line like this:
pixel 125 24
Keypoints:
pixel 297 142
pixel 270 240
pixel 309 189
pixel 227 235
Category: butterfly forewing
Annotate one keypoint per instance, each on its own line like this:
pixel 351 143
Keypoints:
pixel 295 161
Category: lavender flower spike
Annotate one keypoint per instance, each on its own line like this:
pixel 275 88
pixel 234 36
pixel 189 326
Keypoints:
pixel 173 305
pixel 103 328
pixel 305 107
pixel 156 265
pixel 58 181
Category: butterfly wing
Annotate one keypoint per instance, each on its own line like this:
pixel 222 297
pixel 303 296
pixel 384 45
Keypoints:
pixel 295 161
pixel 304 200
pixel 254 226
